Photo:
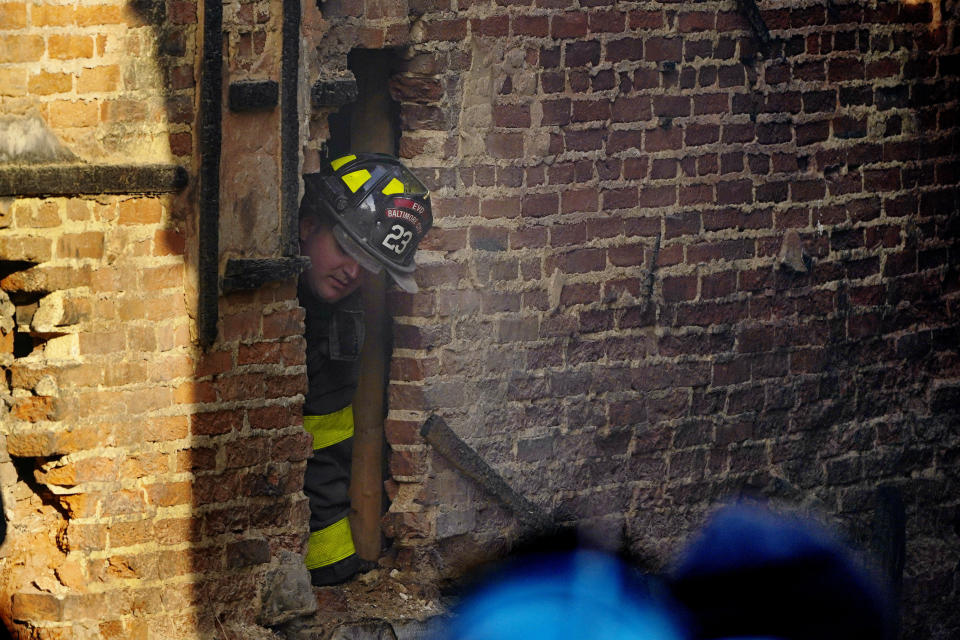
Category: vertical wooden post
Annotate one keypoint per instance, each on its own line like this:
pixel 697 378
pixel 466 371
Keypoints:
pixel 371 129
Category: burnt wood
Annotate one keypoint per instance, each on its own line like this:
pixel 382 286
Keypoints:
pixel 81 179
pixel 253 273
pixel 334 92
pixel 254 96
pixel 211 100
pixel 436 431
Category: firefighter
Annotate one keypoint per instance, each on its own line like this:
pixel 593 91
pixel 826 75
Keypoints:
pixel 364 212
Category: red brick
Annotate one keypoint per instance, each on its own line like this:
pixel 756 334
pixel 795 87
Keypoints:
pixel 693 21
pixel 606 21
pixel 283 324
pixel 625 198
pixel 572 24
pixel 679 288
pixel 535 26
pixel 662 49
pixel 645 19
pixel 624 49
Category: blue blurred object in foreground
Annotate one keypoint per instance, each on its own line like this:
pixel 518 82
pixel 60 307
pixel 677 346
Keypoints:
pixel 578 594
pixel 754 573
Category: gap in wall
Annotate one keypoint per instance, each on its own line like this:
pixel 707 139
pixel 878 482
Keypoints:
pixel 369 124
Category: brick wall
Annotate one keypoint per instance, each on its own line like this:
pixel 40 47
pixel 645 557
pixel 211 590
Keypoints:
pixel 671 264
pixel 150 486
pixel 111 79
pixel 674 263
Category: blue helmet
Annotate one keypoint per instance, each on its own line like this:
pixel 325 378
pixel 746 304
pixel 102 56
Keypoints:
pixel 579 594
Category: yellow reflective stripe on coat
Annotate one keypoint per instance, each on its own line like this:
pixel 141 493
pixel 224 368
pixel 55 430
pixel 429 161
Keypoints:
pixel 330 428
pixel 330 544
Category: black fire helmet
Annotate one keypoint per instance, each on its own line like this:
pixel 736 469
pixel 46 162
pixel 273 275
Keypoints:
pixel 380 211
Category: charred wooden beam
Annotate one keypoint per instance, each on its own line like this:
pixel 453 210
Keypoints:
pixel 244 274
pixel 436 431
pixel 211 117
pixel 253 96
pixel 81 179
pixel 290 129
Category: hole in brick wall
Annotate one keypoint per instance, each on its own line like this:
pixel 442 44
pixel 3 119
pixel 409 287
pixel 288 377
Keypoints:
pixel 25 468
pixel 372 122
pixel 25 343
pixel 8 267
pixel 369 124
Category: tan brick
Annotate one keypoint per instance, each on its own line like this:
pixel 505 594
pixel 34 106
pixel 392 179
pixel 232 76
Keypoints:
pixel 112 630
pixel 37 606
pixel 163 277
pixel 34 408
pixel 165 307
pixel 145 464
pixel 124 110
pixel 99 79
pixel 130 309
pixel 34 444
pixel 141 339
pixel 164 429
pixel 123 503
pixel 175 531
pixel 82 113
pixel 140 566
pixel 84 470
pixel 13 15
pixel 170 336
pixel 100 343
pixel 25 248
pixel 70 574
pixel 81 245
pixel 6 341
pixel 70 47
pixel 13 82
pixel 170 493
pixel 97 14
pixel 21 48
pixel 51 15
pixel 164 368
pixel 27 214
pixel 140 211
pixel 175 563
pixel 191 392
pixel 125 534
pixel 78 210
pixel 45 83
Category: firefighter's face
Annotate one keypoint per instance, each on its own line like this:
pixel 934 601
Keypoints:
pixel 333 275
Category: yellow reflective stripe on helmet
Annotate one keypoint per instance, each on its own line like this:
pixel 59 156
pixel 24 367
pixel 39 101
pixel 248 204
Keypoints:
pixel 330 428
pixel 356 179
pixel 339 162
pixel 330 544
pixel 394 186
